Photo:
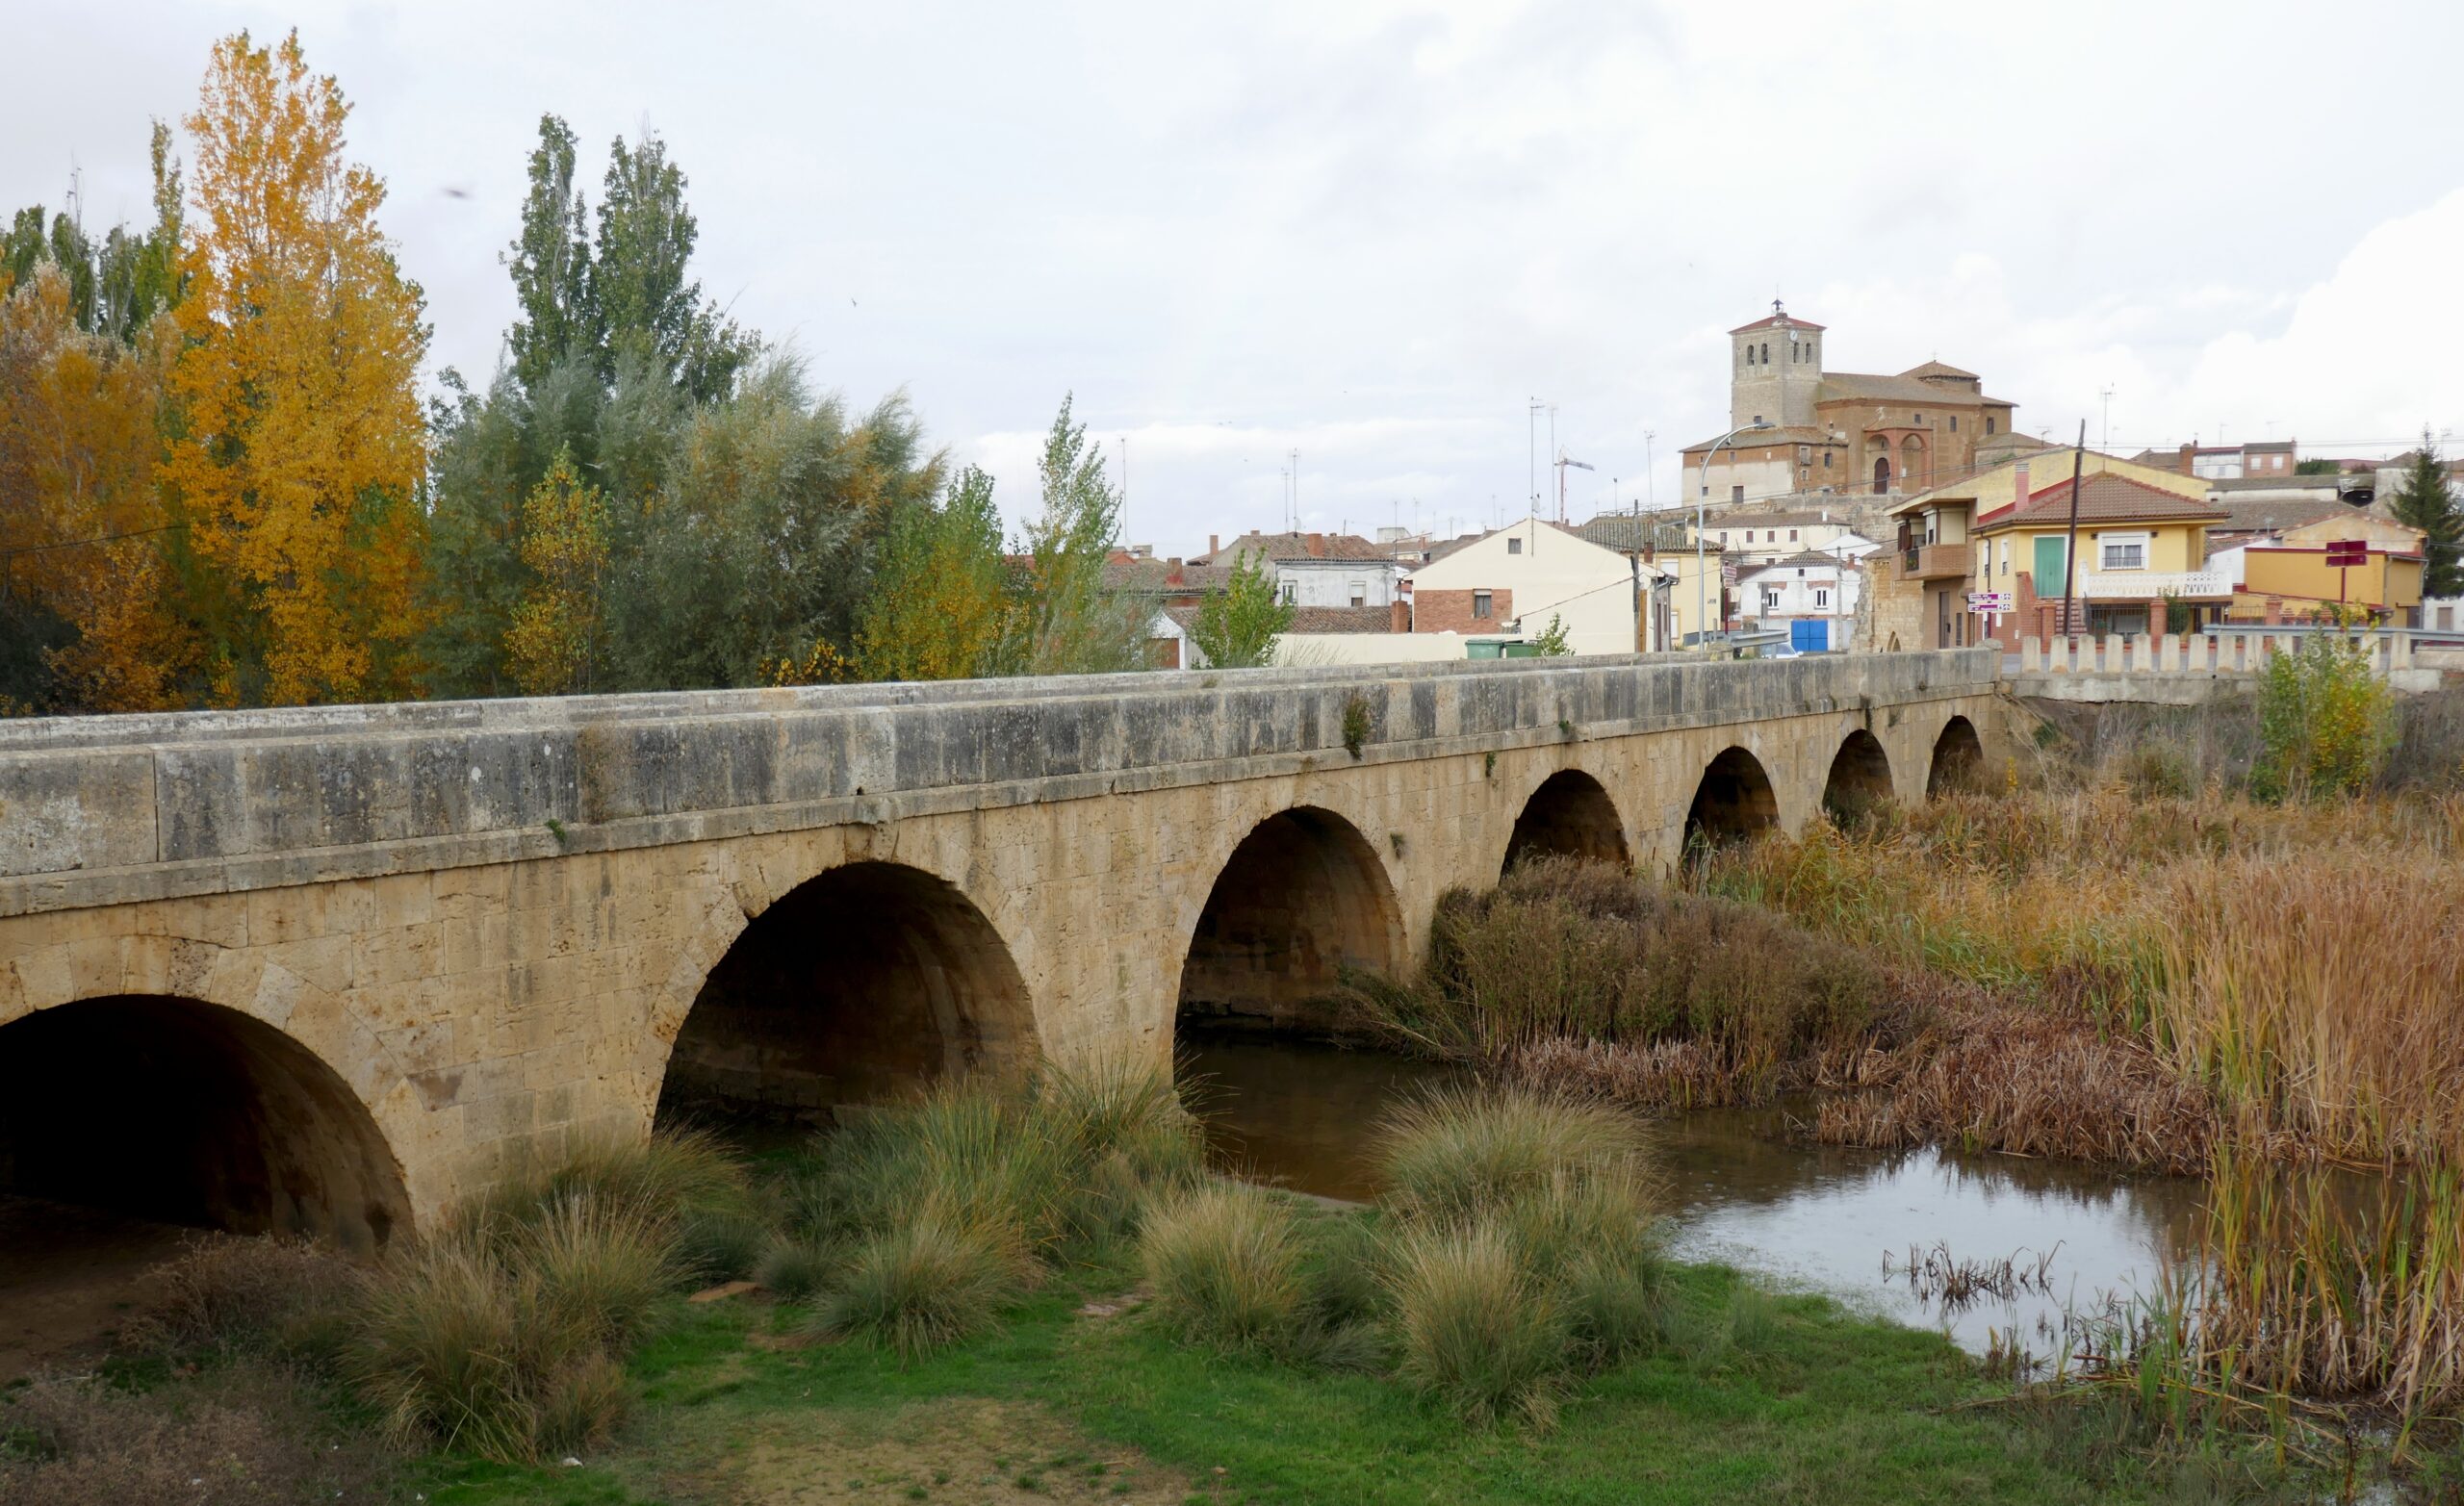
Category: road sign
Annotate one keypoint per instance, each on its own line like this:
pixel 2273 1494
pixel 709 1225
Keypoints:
pixel 1983 602
pixel 2345 553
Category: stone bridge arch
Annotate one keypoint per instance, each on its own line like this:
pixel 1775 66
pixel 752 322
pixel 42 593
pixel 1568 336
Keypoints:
pixel 1957 760
pixel 177 1080
pixel 864 982
pixel 1860 777
pixel 1302 896
pixel 1570 814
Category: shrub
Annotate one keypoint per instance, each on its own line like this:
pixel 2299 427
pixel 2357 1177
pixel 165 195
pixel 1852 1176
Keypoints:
pixel 1474 1331
pixel 1224 1263
pixel 2326 723
pixel 269 1292
pixel 915 1289
pixel 1564 948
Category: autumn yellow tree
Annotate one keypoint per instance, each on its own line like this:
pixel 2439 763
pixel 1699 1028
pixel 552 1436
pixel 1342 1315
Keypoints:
pixel 83 525
pixel 553 639
pixel 298 442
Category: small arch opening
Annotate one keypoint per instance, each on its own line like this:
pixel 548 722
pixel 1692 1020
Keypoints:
pixel 1569 815
pixel 1734 803
pixel 1958 759
pixel 857 985
pixel 1301 900
pixel 177 1112
pixel 1860 780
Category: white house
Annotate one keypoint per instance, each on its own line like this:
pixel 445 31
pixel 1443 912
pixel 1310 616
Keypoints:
pixel 1318 569
pixel 1812 594
pixel 1509 584
pixel 1757 538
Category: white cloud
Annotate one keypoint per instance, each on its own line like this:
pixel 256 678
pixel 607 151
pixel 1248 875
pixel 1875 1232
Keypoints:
pixel 1373 231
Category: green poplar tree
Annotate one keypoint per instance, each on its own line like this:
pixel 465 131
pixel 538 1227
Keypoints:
pixel 1239 629
pixel 1072 623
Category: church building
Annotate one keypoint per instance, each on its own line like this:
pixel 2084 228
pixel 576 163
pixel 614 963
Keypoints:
pixel 1844 432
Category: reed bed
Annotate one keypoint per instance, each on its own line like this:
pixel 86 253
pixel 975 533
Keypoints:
pixel 1720 1001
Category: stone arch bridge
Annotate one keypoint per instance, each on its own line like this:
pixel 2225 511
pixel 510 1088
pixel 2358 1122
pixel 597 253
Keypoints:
pixel 330 969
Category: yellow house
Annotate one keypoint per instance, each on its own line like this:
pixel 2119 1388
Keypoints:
pixel 2288 577
pixel 2142 548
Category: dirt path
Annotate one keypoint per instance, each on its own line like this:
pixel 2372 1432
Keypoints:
pixel 961 1450
pixel 69 1277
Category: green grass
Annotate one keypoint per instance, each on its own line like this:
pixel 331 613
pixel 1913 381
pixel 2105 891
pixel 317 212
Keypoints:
pixel 1821 1406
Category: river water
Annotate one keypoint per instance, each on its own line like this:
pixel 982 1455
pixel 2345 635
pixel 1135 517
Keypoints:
pixel 1745 1192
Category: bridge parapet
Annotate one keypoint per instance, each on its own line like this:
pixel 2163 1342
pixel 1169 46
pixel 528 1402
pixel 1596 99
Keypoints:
pixel 107 810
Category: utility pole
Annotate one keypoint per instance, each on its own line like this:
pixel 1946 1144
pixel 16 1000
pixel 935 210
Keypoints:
pixel 1124 489
pixel 1649 481
pixel 2105 442
pixel 2070 550
pixel 1531 450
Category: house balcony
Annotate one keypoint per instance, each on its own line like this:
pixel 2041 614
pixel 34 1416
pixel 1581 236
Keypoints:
pixel 2146 585
pixel 1935 561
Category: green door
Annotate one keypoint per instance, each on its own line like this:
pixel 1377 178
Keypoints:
pixel 2050 557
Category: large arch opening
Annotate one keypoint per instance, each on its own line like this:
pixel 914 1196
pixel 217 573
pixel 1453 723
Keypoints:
pixel 1860 779
pixel 1569 815
pixel 1302 899
pixel 858 986
pixel 1734 803
pixel 176 1111
pixel 1958 759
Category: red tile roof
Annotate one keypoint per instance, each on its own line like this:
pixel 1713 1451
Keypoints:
pixel 2105 497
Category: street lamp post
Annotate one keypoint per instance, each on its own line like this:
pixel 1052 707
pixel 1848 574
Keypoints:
pixel 1702 493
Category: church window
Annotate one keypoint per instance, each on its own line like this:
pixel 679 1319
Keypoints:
pixel 1989 425
pixel 1766 355
pixel 1955 424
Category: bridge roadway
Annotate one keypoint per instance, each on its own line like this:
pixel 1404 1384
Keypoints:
pixel 329 969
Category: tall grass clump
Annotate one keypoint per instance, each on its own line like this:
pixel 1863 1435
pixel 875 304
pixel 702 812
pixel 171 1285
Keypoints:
pixel 506 1334
pixel 1225 1264
pixel 926 1284
pixel 928 1216
pixel 1526 1247
pixel 1477 1331
pixel 1727 1002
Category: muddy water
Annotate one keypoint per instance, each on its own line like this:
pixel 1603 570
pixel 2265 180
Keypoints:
pixel 1746 1192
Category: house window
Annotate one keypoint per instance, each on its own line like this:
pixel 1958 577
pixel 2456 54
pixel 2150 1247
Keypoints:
pixel 1291 593
pixel 1479 603
pixel 1955 424
pixel 2123 551
pixel 1792 535
pixel 1826 460
pixel 2006 556
pixel 1916 418
pixel 1736 493
pixel 1989 425
pixel 1770 599
pixel 1360 593
pixel 1821 597
pixel 1514 546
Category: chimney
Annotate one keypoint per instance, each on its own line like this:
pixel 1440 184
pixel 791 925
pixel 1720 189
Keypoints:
pixel 2190 466
pixel 1213 544
pixel 2019 484
pixel 1399 617
pixel 1317 546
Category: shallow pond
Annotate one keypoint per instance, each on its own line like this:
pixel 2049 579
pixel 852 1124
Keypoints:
pixel 1746 1192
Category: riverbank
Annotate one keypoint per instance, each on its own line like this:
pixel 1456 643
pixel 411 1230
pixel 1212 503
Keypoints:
pixel 1081 1396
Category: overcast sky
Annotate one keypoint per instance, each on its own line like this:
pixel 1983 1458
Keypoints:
pixel 1374 232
